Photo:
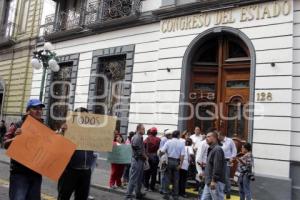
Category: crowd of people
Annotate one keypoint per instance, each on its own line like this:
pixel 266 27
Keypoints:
pixel 173 158
pixel 168 161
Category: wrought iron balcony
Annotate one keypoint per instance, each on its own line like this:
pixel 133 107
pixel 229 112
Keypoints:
pixel 63 22
pixel 7 37
pixel 104 12
pixel 95 14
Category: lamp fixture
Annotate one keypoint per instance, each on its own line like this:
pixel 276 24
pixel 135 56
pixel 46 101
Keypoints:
pixel 45 58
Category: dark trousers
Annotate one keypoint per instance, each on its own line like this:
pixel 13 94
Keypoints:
pixel 151 173
pixel 244 187
pixel 25 187
pixel 183 174
pixel 74 180
pixel 173 176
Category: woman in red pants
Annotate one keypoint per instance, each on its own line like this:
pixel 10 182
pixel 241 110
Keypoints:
pixel 116 169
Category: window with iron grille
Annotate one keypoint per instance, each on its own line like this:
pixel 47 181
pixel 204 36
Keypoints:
pixel 109 86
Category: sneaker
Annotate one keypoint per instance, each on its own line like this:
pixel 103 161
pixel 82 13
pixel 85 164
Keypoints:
pixel 140 196
pixel 91 197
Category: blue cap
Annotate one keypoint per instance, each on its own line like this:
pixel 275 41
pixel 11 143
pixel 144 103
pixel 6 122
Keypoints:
pixel 34 102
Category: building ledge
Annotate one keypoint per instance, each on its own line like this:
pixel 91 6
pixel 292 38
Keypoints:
pixel 61 34
pixel 113 23
pixel 7 42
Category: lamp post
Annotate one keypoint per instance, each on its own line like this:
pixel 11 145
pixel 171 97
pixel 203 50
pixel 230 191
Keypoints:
pixel 43 59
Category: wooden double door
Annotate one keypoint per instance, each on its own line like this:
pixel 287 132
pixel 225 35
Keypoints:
pixel 219 86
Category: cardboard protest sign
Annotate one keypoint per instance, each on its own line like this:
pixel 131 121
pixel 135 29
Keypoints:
pixel 121 154
pixel 91 131
pixel 41 149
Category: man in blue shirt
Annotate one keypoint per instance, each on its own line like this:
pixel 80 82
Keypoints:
pixel 175 150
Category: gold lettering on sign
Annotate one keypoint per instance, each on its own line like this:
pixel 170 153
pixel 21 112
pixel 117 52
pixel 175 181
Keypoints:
pixel 224 17
pixel 266 13
pixel 185 23
pixel 287 8
pixel 276 9
pixel 229 16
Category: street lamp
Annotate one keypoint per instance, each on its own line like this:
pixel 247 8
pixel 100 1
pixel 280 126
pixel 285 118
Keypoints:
pixel 43 59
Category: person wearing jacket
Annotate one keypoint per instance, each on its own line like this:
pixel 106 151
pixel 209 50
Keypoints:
pixel 24 184
pixel 77 176
pixel 215 169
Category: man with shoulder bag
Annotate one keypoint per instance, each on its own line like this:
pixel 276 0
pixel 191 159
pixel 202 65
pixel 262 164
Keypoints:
pixel 245 160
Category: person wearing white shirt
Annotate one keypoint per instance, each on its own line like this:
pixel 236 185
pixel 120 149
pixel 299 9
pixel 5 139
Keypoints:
pixel 230 152
pixel 201 156
pixel 198 136
pixel 183 174
pixel 175 150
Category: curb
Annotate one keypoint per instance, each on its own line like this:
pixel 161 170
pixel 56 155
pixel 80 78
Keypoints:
pixel 4 162
pixel 155 196
pixel 107 189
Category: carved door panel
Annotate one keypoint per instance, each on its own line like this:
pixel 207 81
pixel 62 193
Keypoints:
pixel 219 86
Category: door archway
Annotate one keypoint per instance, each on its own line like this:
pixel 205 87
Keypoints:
pixel 218 83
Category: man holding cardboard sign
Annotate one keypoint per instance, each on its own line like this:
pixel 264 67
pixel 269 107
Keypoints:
pixel 38 149
pixel 83 129
pixel 24 182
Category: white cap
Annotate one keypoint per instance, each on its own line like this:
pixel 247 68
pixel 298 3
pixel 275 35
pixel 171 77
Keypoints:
pixel 169 132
